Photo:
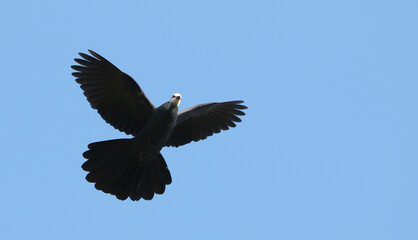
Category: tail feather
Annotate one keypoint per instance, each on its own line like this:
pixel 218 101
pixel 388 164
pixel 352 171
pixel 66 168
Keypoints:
pixel 128 183
pixel 116 170
pixel 114 182
pixel 153 179
pixel 145 188
pixel 101 154
pixel 162 171
pixel 157 183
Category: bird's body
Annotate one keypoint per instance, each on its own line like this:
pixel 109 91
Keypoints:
pixel 157 129
pixel 134 167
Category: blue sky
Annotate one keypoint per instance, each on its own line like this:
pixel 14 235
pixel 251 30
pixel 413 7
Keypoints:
pixel 327 150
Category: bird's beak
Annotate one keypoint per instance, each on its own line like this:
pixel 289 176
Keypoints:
pixel 176 99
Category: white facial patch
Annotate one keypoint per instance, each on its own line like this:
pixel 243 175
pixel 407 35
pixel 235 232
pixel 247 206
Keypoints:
pixel 176 99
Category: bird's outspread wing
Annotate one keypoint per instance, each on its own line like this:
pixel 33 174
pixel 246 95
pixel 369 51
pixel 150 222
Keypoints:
pixel 199 122
pixel 116 96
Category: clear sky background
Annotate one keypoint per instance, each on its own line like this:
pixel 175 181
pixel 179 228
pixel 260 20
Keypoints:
pixel 328 148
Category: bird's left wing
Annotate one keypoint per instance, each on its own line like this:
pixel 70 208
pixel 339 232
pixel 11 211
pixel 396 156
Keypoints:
pixel 115 95
pixel 199 122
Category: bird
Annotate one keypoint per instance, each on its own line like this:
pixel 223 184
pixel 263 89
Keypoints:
pixel 134 167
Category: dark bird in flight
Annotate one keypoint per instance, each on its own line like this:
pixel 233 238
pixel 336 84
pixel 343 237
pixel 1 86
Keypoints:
pixel 134 167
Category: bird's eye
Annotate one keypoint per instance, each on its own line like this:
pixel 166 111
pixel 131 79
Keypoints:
pixel 173 96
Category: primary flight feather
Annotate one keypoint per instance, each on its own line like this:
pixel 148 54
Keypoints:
pixel 134 167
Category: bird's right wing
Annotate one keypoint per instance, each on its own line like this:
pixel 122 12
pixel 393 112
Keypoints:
pixel 199 122
pixel 116 96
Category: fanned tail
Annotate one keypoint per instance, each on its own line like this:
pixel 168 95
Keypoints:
pixel 115 170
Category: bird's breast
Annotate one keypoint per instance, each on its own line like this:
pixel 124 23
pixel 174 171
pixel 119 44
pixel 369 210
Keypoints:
pixel 156 131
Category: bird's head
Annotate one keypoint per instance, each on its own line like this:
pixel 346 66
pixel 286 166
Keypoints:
pixel 176 99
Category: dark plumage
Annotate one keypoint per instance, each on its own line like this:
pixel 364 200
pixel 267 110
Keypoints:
pixel 134 167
